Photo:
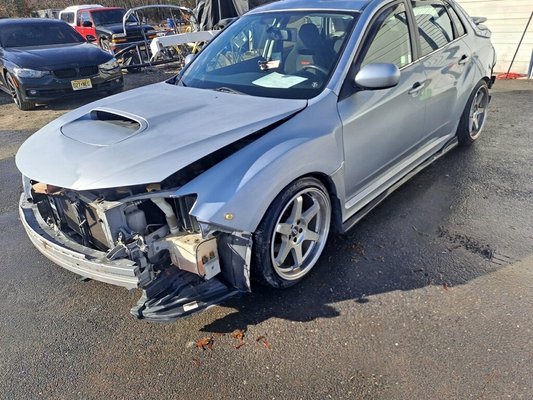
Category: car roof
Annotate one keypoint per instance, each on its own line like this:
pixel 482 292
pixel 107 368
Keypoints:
pixel 29 21
pixel 81 7
pixel 108 8
pixel 344 5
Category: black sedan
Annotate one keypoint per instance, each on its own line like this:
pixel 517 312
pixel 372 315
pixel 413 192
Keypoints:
pixel 42 60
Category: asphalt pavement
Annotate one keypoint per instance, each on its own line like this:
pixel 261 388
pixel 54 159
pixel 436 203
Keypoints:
pixel 428 297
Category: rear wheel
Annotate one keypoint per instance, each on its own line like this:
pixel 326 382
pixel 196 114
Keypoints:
pixel 292 234
pixel 474 115
pixel 16 94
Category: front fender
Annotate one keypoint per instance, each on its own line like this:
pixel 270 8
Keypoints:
pixel 245 184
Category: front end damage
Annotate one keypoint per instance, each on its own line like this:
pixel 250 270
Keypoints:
pixel 139 237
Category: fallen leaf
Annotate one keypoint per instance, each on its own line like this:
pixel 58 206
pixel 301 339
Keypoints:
pixel 445 287
pixel 240 345
pixel 205 343
pixel 238 334
pixel 196 362
pixel 265 342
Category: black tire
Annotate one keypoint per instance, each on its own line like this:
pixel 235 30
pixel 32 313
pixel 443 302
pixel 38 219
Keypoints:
pixel 284 230
pixel 468 130
pixel 16 95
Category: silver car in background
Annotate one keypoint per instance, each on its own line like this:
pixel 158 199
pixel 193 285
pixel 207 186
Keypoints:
pixel 296 120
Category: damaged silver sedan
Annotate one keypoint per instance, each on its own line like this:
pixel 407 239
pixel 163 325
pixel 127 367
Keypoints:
pixel 295 120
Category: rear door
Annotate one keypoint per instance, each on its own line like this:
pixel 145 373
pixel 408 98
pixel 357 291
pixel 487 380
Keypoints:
pixel 382 128
pixel 447 61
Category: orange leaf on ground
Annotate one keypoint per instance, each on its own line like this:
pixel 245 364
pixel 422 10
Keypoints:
pixel 205 343
pixel 238 334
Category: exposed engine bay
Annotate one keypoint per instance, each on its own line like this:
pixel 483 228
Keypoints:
pixel 176 263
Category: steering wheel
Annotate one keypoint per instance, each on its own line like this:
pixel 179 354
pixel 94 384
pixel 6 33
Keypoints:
pixel 316 68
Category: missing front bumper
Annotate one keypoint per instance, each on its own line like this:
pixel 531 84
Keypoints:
pixel 172 294
pixel 70 255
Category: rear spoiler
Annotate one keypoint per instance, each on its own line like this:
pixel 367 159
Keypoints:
pixel 479 20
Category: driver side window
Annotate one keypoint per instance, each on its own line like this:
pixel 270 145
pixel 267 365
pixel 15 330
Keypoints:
pixel 390 39
pixel 83 17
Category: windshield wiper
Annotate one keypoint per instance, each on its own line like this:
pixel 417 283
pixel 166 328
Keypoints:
pixel 227 90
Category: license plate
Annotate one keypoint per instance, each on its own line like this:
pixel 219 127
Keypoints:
pixel 81 84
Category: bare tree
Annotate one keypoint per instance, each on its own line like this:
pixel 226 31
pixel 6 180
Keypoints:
pixel 23 8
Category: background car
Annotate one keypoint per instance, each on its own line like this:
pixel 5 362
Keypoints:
pixel 44 59
pixel 297 119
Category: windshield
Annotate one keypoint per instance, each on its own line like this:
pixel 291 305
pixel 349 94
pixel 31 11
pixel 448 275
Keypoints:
pixel 288 54
pixel 108 17
pixel 38 34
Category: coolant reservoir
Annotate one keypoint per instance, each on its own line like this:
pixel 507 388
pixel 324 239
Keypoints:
pixel 136 219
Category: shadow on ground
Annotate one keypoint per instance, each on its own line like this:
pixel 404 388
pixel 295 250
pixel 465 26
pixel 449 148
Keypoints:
pixel 408 242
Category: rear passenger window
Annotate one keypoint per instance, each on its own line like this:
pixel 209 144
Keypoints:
pixel 391 42
pixel 434 25
pixel 457 23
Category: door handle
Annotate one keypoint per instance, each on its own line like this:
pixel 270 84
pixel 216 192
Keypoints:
pixel 463 60
pixel 417 87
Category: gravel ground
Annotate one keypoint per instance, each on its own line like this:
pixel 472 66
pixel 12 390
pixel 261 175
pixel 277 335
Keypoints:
pixel 429 297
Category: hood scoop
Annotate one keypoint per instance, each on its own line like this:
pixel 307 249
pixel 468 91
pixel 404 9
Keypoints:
pixel 103 127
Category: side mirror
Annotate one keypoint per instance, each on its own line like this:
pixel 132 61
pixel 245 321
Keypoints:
pixel 87 24
pixel 378 76
pixel 90 38
pixel 188 59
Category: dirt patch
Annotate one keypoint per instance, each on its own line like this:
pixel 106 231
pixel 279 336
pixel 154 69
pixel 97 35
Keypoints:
pixel 12 119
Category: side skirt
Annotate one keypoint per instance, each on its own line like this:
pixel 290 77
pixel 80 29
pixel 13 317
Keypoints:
pixel 354 219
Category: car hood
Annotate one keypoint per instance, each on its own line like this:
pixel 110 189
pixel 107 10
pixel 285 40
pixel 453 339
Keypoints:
pixel 131 29
pixel 143 135
pixel 56 56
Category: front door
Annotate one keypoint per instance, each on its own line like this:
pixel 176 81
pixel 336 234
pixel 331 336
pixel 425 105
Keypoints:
pixel 383 128
pixel 85 16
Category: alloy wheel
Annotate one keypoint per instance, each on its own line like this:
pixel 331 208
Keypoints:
pixel 13 89
pixel 478 112
pixel 300 233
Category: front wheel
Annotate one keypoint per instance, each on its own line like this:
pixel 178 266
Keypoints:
pixel 292 234
pixel 474 115
pixel 16 94
pixel 105 45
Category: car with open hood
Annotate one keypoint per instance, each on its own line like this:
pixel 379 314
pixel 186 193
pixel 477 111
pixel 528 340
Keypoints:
pixel 296 120
pixel 44 59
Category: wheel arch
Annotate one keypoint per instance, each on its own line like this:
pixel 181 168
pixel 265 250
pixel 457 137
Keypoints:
pixel 236 193
pixel 336 210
